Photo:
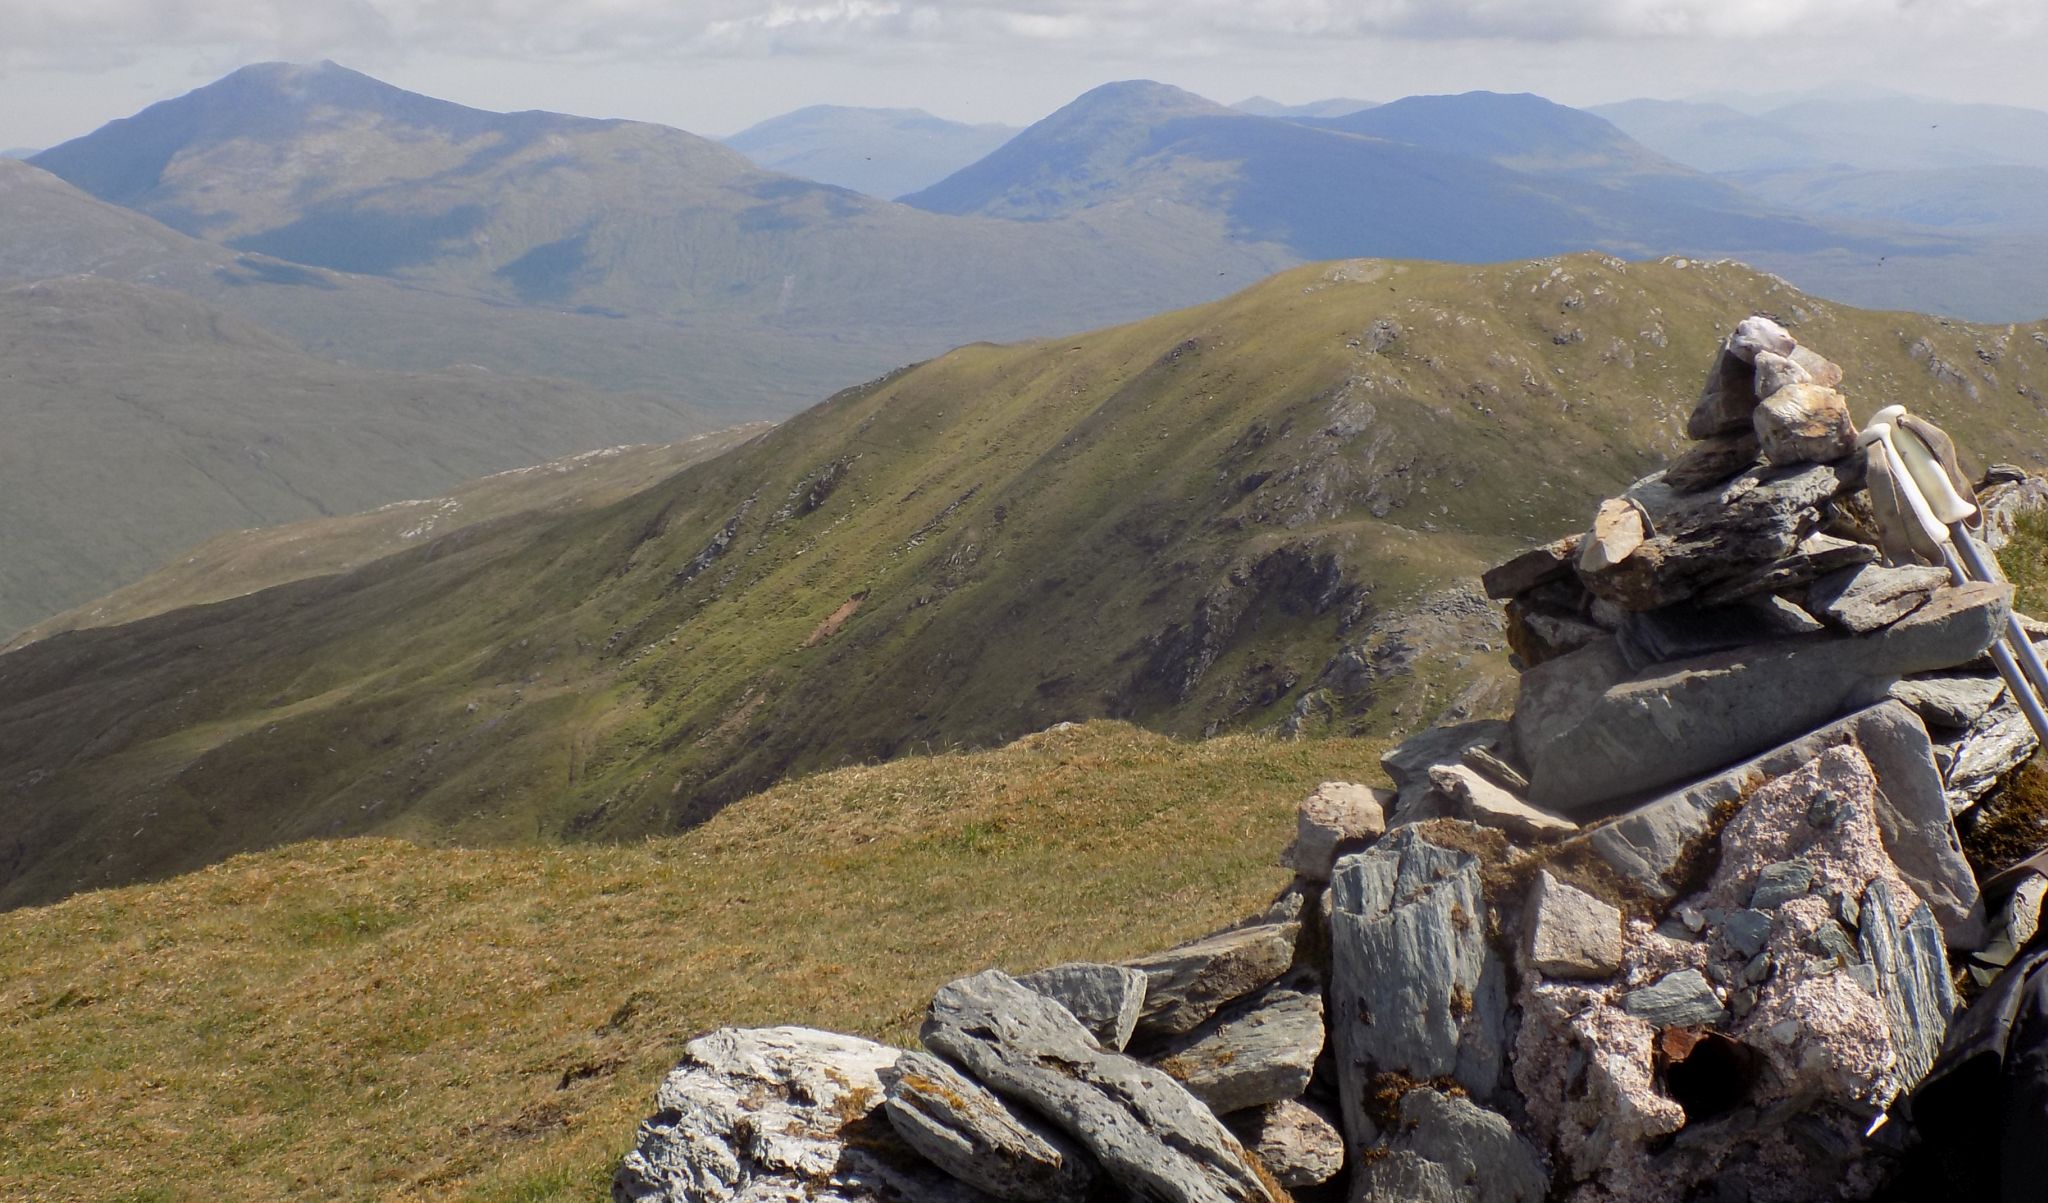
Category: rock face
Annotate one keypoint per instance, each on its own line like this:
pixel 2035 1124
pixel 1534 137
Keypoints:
pixel 1298 1142
pixel 1148 1133
pixel 771 1115
pixel 959 1126
pixel 1421 992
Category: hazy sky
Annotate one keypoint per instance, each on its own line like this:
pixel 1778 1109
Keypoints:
pixel 714 66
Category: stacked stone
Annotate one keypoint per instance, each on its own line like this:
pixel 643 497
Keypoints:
pixel 1677 929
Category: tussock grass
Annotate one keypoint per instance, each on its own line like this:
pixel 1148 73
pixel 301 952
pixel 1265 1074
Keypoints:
pixel 369 1019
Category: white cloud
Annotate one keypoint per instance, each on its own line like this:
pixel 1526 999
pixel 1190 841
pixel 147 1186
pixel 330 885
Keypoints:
pixel 543 28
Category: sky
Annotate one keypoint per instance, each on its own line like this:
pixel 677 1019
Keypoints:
pixel 716 66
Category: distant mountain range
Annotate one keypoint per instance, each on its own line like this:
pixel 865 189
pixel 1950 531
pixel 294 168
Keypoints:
pixel 1266 510
pixel 881 152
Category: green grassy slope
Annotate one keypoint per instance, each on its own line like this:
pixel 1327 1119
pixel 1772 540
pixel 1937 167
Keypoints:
pixel 140 421
pixel 363 1019
pixel 1213 519
pixel 245 561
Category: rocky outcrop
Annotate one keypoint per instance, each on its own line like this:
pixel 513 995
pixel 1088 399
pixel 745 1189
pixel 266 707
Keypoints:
pixel 1679 928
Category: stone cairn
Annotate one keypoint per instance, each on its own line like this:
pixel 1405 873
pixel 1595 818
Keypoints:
pixel 1677 930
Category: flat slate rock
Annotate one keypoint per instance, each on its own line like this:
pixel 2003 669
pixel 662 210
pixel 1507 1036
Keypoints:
pixel 768 1115
pixel 1107 999
pixel 959 1126
pixel 1912 977
pixel 1871 596
pixel 1147 1132
pixel 1407 765
pixel 1589 744
pixel 1259 1051
pixel 1477 800
pixel 1571 933
pixel 1188 984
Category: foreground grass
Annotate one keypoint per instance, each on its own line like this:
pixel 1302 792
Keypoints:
pixel 369 1019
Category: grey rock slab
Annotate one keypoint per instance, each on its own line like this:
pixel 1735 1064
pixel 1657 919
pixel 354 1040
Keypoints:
pixel 1297 1141
pixel 1407 765
pixel 1746 932
pixel 1687 630
pixel 1480 801
pixel 1188 984
pixel 1711 461
pixel 1677 1000
pixel 1260 1051
pixel 1585 750
pixel 1146 1131
pixel 959 1126
pixel 1955 702
pixel 769 1115
pixel 1571 933
pixel 1537 566
pixel 1871 596
pixel 1538 634
pixel 2002 744
pixel 1477 1148
pixel 1710 537
pixel 1912 979
pixel 1338 815
pixel 1107 999
pixel 1815 557
pixel 1650 844
pixel 1416 988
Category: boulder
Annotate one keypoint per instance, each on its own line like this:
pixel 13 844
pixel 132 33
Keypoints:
pixel 1571 933
pixel 1869 597
pixel 1804 424
pixel 1297 1141
pixel 1107 999
pixel 1338 816
pixel 1477 800
pixel 1586 750
pixel 1416 983
pixel 1818 368
pixel 1713 460
pixel 1259 1051
pixel 1188 984
pixel 971 1134
pixel 1147 1132
pixel 1652 845
pixel 773 1114
pixel 1719 535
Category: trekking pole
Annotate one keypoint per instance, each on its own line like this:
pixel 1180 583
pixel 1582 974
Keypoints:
pixel 1943 526
pixel 1928 473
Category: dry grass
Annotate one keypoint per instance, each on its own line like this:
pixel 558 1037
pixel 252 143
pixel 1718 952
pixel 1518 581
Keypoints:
pixel 368 1019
